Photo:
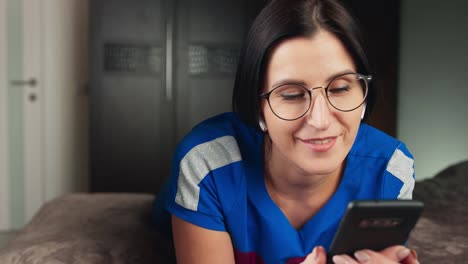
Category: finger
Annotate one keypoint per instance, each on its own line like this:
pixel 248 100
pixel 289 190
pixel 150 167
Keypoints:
pixel 397 253
pixel 367 256
pixel 390 255
pixel 412 258
pixel 321 255
pixel 310 259
pixel 343 259
pixel 317 256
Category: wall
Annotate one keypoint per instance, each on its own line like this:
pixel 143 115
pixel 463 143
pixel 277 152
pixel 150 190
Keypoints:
pixel 433 85
pixel 66 108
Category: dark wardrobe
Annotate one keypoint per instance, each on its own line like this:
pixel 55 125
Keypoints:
pixel 158 67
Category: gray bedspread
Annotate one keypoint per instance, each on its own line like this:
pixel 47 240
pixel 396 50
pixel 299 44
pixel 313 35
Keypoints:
pixel 115 228
pixel 90 229
pixel 441 236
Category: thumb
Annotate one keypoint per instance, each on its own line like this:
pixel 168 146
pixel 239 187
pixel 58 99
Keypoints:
pixel 397 253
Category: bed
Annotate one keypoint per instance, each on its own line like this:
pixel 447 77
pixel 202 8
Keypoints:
pixel 115 228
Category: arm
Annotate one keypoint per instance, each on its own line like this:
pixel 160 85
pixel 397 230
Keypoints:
pixel 194 244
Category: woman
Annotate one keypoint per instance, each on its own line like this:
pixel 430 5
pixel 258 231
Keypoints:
pixel 270 182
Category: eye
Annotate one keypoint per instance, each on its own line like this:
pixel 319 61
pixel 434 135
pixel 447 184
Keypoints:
pixel 291 93
pixel 292 96
pixel 340 86
pixel 339 90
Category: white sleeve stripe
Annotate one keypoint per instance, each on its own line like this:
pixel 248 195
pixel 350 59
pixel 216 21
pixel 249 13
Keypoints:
pixel 198 162
pixel 401 166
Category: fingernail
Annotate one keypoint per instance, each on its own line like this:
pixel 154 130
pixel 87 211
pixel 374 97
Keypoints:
pixel 403 253
pixel 362 256
pixel 414 253
pixel 339 260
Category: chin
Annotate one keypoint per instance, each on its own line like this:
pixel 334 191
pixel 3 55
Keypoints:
pixel 320 169
pixel 322 166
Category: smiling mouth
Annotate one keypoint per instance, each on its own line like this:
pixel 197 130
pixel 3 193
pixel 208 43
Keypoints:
pixel 320 145
pixel 320 141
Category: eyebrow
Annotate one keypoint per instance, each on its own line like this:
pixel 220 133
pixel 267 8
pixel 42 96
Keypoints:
pixel 301 82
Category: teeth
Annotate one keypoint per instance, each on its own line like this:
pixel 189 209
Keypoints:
pixel 320 142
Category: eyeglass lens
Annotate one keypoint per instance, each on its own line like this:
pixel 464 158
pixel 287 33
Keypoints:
pixel 345 93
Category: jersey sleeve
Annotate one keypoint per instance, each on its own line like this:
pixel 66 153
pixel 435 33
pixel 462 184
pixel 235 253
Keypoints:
pixel 399 176
pixel 194 193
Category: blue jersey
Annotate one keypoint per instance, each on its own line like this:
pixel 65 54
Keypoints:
pixel 217 183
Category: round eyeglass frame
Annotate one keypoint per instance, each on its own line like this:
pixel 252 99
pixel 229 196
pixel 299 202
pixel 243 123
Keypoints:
pixel 366 78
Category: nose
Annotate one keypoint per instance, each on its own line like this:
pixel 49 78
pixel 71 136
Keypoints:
pixel 319 115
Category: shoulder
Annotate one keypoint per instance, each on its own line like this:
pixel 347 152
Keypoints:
pixel 210 153
pixel 397 161
pixel 219 136
pixel 208 175
pixel 226 125
pixel 372 142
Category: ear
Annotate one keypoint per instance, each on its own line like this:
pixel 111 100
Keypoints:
pixel 363 111
pixel 261 124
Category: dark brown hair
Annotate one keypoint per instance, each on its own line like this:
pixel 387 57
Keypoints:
pixel 284 19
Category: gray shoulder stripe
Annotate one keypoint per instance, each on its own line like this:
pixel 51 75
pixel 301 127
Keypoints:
pixel 198 162
pixel 401 166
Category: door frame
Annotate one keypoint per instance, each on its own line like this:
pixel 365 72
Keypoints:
pixel 4 158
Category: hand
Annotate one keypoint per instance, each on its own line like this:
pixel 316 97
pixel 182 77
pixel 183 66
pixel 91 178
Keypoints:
pixel 394 254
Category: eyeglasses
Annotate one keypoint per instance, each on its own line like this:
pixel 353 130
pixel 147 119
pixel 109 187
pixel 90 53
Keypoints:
pixel 345 92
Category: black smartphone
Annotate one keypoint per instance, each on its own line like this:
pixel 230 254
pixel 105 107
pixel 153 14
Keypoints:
pixel 375 224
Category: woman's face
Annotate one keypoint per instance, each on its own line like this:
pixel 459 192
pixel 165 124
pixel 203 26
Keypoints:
pixel 318 142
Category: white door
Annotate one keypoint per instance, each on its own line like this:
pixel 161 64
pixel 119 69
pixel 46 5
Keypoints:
pixel 21 116
pixel 32 85
pixel 4 180
pixel 43 108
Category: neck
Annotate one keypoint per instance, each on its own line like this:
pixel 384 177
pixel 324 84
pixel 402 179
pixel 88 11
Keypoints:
pixel 297 193
pixel 296 184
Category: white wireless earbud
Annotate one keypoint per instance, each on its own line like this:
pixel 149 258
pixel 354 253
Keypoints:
pixel 262 125
pixel 363 112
